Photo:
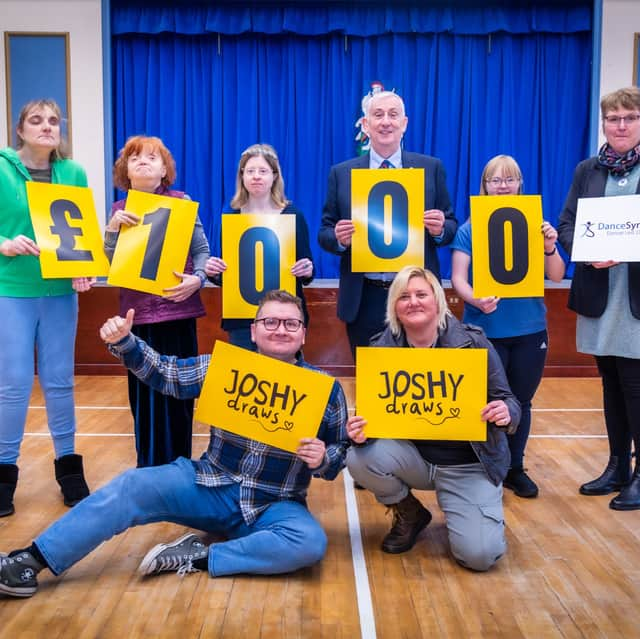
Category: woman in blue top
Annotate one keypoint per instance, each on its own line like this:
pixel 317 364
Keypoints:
pixel 260 189
pixel 517 327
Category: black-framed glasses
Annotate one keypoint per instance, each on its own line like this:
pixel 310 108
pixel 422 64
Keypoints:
pixel 291 324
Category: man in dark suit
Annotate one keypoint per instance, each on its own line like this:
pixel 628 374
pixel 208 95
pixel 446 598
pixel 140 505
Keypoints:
pixel 362 296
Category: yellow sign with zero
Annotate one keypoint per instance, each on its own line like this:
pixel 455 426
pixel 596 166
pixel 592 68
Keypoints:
pixel 387 210
pixel 259 251
pixel 422 393
pixel 67 231
pixel 147 254
pixel 508 246
pixel 262 398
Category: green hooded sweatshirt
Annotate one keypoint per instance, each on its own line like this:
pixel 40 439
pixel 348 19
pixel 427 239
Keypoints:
pixel 20 276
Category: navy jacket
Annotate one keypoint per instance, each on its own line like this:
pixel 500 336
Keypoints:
pixel 338 207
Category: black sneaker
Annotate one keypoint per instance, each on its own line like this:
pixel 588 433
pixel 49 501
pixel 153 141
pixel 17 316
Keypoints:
pixel 18 575
pixel 520 483
pixel 177 556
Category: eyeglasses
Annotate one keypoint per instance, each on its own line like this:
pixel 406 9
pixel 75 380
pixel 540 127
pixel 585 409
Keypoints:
pixel 260 172
pixel 291 324
pixel 509 181
pixel 615 120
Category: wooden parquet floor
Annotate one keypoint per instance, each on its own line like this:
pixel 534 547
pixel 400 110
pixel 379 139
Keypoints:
pixel 572 568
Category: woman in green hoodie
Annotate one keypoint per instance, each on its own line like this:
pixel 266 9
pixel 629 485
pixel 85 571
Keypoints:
pixel 37 314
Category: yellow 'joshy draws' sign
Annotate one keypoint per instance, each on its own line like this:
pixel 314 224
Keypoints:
pixel 508 247
pixel 422 393
pixel 147 254
pixel 387 208
pixel 67 231
pixel 262 398
pixel 259 251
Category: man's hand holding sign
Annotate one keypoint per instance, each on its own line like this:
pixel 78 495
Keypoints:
pixel 263 397
pixel 387 223
pixel 268 401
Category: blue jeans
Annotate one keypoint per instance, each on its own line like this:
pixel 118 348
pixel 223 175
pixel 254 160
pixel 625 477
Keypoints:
pixel 472 505
pixel 523 358
pixel 284 538
pixel 47 324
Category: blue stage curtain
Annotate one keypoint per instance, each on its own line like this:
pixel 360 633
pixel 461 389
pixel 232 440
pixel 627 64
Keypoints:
pixel 468 97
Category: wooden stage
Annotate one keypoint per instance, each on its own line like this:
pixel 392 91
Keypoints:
pixel 326 345
pixel 571 569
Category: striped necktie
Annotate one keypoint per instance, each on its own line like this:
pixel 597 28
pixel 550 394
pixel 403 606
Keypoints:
pixel 385 164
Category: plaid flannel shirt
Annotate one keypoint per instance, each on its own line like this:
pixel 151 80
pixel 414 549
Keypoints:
pixel 265 474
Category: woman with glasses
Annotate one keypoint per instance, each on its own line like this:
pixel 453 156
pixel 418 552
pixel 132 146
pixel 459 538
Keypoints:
pixel 606 297
pixel 260 189
pixel 517 327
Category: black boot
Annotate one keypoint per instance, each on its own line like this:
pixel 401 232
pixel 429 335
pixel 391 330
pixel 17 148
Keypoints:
pixel 409 518
pixel 70 476
pixel 520 483
pixel 8 481
pixel 615 476
pixel 629 497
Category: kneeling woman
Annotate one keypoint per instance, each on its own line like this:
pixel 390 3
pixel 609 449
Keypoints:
pixel 467 476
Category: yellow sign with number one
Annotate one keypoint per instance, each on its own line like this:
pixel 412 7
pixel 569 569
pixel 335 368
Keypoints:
pixel 262 398
pixel 147 254
pixel 67 231
pixel 422 393
pixel 508 246
pixel 387 209
pixel 259 251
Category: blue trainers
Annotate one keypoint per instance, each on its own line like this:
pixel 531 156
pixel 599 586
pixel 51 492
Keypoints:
pixel 18 574
pixel 177 556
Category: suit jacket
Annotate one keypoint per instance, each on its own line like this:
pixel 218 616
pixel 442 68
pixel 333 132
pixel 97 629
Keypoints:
pixel 338 207
pixel 590 286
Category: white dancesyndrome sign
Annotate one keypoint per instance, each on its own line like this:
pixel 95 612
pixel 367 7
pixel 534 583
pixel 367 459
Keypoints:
pixel 607 228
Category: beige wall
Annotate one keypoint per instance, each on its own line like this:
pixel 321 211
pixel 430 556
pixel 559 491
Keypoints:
pixel 620 20
pixel 82 19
